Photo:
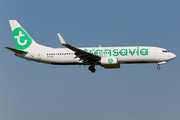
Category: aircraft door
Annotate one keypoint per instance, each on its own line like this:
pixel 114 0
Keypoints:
pixel 39 56
pixel 156 53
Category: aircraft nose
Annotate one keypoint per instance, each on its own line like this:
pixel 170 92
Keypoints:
pixel 173 55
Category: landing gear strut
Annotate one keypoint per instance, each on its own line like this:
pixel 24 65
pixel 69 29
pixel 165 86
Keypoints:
pixel 92 68
pixel 158 67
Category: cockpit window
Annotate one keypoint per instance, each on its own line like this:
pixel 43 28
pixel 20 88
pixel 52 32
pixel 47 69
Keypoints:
pixel 165 51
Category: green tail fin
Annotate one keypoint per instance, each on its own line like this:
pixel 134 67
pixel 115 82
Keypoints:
pixel 21 37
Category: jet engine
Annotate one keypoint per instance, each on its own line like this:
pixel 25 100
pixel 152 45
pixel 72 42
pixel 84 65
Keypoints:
pixel 109 62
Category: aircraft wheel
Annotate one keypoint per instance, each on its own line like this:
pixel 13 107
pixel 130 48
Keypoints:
pixel 158 67
pixel 92 69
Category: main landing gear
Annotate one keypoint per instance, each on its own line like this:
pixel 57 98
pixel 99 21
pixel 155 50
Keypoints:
pixel 92 68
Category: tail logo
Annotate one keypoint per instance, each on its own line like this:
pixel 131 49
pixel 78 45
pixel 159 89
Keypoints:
pixel 22 39
pixel 18 39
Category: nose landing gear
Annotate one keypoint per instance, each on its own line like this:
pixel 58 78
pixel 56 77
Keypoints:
pixel 92 68
pixel 160 63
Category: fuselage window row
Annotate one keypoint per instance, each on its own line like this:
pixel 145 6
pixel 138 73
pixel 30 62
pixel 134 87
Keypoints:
pixel 60 53
pixel 94 53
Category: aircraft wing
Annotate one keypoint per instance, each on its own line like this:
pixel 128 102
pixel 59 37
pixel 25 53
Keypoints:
pixel 16 50
pixel 83 55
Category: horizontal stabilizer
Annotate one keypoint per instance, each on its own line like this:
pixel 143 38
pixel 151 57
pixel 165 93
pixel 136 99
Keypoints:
pixel 16 50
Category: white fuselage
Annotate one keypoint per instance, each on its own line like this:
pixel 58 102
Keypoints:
pixel 132 54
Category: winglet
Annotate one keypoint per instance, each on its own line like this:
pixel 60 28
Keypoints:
pixel 61 39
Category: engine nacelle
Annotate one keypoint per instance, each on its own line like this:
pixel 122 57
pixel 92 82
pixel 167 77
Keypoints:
pixel 110 62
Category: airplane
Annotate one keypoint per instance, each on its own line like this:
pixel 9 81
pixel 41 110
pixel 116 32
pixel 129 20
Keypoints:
pixel 107 57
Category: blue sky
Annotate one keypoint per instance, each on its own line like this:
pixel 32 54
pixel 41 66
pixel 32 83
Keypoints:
pixel 30 90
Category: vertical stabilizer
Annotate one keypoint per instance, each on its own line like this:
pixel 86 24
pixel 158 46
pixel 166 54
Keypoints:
pixel 22 39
